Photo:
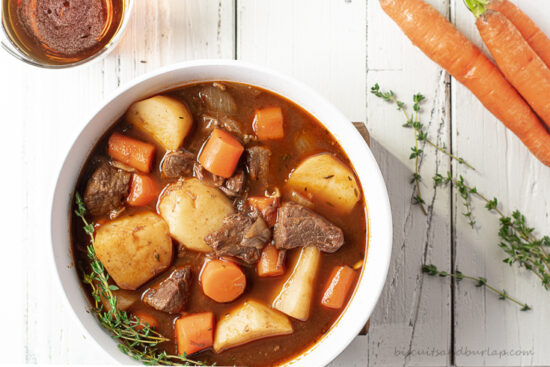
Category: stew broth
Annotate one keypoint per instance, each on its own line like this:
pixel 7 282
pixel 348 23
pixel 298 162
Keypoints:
pixel 304 137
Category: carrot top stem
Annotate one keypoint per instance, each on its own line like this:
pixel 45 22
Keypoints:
pixel 477 7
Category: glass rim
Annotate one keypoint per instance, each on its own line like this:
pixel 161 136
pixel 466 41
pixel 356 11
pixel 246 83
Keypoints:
pixel 11 48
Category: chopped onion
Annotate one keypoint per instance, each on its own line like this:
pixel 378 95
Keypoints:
pixel 300 199
pixel 218 100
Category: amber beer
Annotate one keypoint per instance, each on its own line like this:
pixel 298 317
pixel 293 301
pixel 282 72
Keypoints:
pixel 61 32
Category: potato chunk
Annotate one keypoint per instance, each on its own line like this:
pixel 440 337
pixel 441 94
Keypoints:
pixel 328 180
pixel 192 211
pixel 248 322
pixel 295 296
pixel 166 119
pixel 134 248
pixel 124 300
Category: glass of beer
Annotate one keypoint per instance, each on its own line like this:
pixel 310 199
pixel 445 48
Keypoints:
pixel 62 33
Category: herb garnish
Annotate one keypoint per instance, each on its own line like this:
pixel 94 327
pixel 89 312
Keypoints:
pixel 480 282
pixel 420 135
pixel 136 339
pixel 517 240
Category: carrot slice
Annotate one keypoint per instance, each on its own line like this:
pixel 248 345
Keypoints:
pixel 338 287
pixel 223 281
pixel 269 264
pixel 267 206
pixel 194 332
pixel 142 191
pixel 221 153
pixel 145 319
pixel 268 123
pixel 132 152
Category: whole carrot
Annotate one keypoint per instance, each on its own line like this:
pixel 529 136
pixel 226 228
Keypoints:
pixel 534 36
pixel 444 44
pixel 517 61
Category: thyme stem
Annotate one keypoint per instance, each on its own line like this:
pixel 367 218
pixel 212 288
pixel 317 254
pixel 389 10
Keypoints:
pixel 136 339
pixel 413 121
pixel 480 282
pixel 451 155
pixel 516 238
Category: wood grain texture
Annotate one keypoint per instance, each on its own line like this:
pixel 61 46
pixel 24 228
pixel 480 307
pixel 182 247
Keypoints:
pixel 412 323
pixel 485 327
pixel 340 48
pixel 322 43
pixel 43 112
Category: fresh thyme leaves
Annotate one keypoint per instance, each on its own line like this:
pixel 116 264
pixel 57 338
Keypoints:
pixel 480 282
pixel 135 338
pixel 416 152
pixel 517 240
pixel 420 136
pixel 464 191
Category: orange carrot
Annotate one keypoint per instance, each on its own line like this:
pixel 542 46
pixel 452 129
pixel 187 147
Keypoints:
pixel 338 287
pixel 145 319
pixel 221 153
pixel 268 123
pixel 445 45
pixel 536 38
pixel 267 206
pixel 194 332
pixel 132 152
pixel 517 61
pixel 142 191
pixel 269 264
pixel 223 281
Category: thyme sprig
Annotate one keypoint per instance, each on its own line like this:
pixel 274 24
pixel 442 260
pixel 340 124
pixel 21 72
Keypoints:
pixel 420 136
pixel 480 282
pixel 517 239
pixel 136 339
pixel 464 191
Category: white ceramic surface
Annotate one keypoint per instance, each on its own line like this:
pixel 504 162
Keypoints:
pixel 379 216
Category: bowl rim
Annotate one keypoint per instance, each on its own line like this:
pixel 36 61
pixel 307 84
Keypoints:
pixel 379 234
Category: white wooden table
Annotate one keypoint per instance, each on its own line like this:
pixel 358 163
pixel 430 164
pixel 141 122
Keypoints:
pixel 341 48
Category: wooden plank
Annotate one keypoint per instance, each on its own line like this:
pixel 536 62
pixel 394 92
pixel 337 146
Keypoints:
pixel 483 324
pixel 322 43
pixel 362 128
pixel 45 110
pixel 411 325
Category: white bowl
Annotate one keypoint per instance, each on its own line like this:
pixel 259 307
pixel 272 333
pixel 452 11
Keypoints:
pixel 375 269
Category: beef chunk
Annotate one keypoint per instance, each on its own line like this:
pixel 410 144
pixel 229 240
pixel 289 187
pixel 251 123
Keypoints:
pixel 298 226
pixel 172 294
pixel 257 160
pixel 208 178
pixel 235 185
pixel 240 236
pixel 232 187
pixel 106 190
pixel 227 123
pixel 177 164
pixel 268 212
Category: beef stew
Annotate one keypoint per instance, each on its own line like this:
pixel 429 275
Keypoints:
pixel 260 204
